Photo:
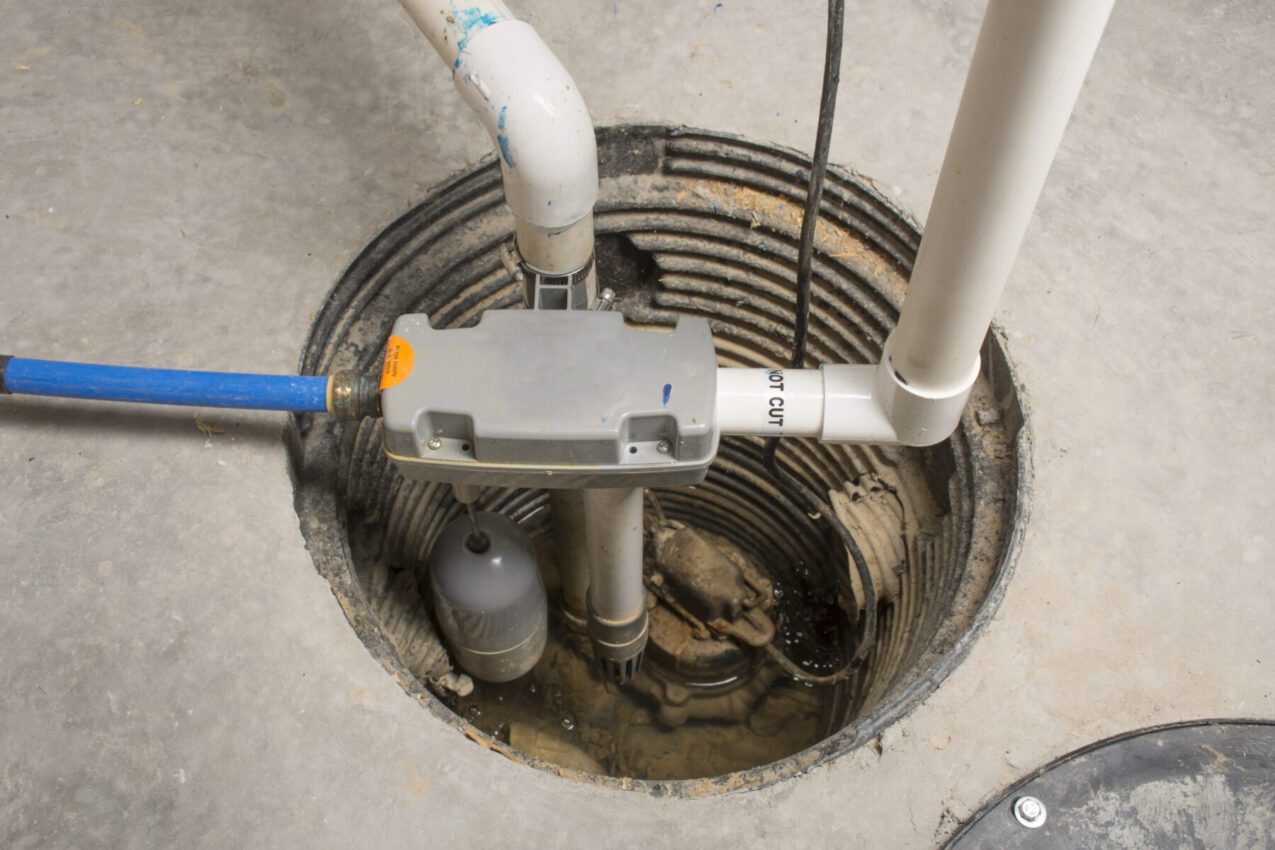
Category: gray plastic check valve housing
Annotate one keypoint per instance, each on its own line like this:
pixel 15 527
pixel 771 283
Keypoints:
pixel 556 399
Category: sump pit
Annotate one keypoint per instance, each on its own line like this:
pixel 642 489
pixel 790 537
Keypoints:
pixel 701 224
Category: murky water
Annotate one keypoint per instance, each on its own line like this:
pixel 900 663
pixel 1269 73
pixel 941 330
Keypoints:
pixel 564 712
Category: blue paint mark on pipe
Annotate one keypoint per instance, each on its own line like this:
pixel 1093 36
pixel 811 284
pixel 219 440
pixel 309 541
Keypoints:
pixel 469 22
pixel 668 392
pixel 506 151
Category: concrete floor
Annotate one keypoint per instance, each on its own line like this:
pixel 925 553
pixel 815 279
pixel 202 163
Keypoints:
pixel 181 182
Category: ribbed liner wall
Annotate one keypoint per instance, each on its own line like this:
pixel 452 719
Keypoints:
pixel 689 223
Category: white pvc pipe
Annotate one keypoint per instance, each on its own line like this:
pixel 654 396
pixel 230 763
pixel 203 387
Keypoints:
pixel 537 120
pixel 770 402
pixel 449 28
pixel 553 249
pixel 1028 67
pixel 835 403
pixel 613 530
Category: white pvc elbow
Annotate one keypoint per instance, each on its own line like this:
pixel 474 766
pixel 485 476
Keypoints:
pixel 537 120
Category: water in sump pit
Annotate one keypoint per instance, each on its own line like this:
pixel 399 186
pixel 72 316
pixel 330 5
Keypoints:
pixel 563 712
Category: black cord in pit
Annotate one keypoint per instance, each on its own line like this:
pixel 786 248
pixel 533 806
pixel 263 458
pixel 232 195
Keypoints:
pixel 801 328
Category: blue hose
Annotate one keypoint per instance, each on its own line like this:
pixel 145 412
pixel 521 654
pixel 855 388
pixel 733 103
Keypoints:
pixel 303 394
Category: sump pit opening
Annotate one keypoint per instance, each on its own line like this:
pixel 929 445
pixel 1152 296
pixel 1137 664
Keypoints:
pixel 689 223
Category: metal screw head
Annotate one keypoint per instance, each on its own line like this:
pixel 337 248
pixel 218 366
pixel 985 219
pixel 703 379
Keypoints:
pixel 435 443
pixel 664 447
pixel 1030 812
pixel 605 299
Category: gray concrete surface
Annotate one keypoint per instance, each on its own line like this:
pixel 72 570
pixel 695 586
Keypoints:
pixel 181 182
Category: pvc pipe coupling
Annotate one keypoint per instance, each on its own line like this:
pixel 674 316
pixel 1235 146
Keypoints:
pixel 840 403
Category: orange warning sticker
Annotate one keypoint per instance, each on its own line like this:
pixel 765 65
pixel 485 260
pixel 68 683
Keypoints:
pixel 399 360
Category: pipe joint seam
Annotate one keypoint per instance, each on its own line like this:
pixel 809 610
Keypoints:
pixel 920 415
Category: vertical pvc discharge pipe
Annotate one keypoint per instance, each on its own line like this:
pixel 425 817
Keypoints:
pixel 617 622
pixel 1027 71
pixel 1028 67
pixel 613 526
pixel 298 393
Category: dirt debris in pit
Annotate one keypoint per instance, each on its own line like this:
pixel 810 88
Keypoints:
pixel 563 712
pixel 784 215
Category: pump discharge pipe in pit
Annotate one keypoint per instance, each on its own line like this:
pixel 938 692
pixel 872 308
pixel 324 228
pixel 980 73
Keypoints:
pixel 569 398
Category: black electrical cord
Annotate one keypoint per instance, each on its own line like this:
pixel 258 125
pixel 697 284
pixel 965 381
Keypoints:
pixel 818 170
pixel 801 328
